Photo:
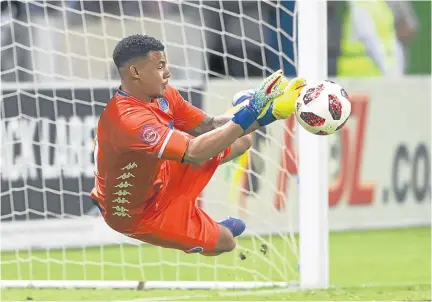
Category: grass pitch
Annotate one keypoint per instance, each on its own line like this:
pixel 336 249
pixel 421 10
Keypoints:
pixel 364 265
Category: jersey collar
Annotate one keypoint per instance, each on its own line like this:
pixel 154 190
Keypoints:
pixel 122 93
pixel 125 94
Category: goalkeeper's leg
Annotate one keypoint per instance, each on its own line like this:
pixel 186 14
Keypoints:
pixel 185 227
pixel 180 224
pixel 228 229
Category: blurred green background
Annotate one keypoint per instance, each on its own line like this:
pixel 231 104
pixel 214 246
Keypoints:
pixel 420 51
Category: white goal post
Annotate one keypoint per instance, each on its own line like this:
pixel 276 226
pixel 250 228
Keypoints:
pixel 313 157
pixel 51 234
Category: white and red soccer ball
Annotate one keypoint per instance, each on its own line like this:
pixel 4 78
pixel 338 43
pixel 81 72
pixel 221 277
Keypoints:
pixel 322 108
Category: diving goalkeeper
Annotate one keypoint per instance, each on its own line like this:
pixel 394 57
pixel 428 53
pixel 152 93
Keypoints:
pixel 155 153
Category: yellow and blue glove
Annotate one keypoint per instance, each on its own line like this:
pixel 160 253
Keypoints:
pixel 271 88
pixel 280 108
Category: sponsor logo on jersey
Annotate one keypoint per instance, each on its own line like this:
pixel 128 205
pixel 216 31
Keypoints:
pixel 196 249
pixel 149 135
pixel 163 104
pixel 120 211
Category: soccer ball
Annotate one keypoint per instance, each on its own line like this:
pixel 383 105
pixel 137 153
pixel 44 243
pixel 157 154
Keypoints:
pixel 322 108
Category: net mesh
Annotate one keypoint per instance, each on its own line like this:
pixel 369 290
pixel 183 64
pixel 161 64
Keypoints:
pixel 56 77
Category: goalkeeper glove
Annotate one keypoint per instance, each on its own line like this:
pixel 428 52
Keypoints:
pixel 271 88
pixel 280 108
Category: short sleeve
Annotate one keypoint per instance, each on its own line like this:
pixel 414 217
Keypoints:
pixel 186 116
pixel 141 131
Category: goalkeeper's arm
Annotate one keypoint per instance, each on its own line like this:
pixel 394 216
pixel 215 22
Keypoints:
pixel 243 121
pixel 280 108
pixel 209 144
pixel 210 123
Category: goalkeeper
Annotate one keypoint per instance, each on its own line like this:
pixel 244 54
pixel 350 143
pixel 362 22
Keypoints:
pixel 155 153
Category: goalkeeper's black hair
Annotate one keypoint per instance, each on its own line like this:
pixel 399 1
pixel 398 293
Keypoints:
pixel 133 47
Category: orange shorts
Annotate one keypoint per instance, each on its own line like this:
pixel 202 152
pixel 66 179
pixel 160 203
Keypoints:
pixel 182 225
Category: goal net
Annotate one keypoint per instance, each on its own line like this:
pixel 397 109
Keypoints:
pixel 56 77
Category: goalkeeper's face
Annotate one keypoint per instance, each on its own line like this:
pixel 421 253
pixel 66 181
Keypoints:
pixel 152 74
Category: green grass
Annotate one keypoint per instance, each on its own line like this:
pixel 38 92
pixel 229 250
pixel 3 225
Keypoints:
pixel 364 265
pixel 146 262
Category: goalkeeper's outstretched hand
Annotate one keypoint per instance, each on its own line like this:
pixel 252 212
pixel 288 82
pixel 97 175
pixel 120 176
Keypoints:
pixel 271 88
pixel 284 105
pixel 280 108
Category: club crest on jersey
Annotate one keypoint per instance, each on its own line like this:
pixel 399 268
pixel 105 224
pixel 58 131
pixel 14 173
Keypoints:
pixel 163 104
pixel 149 135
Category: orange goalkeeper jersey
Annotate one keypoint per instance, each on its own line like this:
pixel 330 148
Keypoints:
pixel 134 142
